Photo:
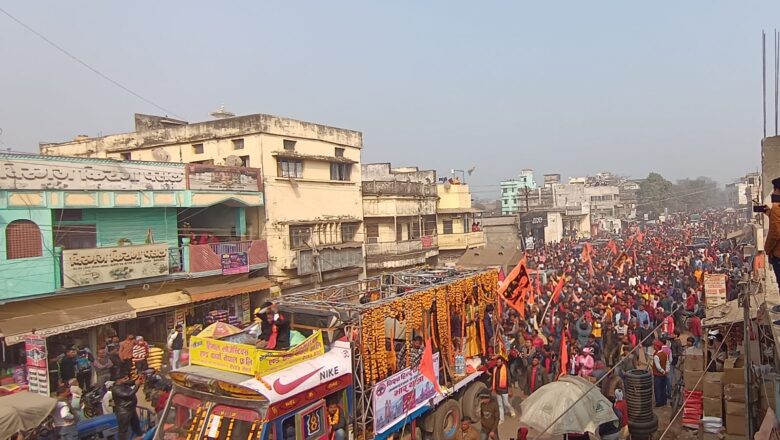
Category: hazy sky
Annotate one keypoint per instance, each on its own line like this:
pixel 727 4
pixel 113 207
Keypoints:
pixel 571 87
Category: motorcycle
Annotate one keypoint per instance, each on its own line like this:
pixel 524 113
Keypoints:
pixel 92 401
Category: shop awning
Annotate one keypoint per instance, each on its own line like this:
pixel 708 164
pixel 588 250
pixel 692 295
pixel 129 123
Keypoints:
pixel 159 301
pixel 222 290
pixel 83 313
pixel 731 311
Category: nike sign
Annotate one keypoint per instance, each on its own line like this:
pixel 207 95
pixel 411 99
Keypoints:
pixel 284 388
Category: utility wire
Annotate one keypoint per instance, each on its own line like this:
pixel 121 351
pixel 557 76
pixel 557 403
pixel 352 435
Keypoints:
pixel 83 63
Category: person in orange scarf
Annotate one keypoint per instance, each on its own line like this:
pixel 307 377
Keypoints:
pixel 500 385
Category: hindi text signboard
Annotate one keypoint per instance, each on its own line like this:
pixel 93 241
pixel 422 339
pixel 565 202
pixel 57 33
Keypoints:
pixel 270 361
pixel 714 289
pixel 225 356
pixel 85 267
pixel 400 394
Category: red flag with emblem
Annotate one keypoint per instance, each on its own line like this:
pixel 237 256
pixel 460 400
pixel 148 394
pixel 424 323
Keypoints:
pixel 512 276
pixel 515 291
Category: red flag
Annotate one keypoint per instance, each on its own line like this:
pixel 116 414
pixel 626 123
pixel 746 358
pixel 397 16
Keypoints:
pixel 640 237
pixel 426 365
pixel 612 246
pixel 558 288
pixel 564 354
pixel 586 253
pixel 620 261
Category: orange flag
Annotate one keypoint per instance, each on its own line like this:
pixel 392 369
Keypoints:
pixel 564 354
pixel 640 237
pixel 558 288
pixel 512 275
pixel 612 246
pixel 426 365
pixel 517 288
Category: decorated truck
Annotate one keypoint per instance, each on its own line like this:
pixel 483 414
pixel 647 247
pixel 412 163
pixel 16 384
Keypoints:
pixel 360 349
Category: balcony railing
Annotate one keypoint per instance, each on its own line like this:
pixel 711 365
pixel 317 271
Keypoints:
pixel 390 248
pixel 207 258
pixel 461 241
pixel 396 188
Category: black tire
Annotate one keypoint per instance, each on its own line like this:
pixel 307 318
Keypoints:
pixel 446 420
pixel 418 434
pixel 469 401
pixel 649 426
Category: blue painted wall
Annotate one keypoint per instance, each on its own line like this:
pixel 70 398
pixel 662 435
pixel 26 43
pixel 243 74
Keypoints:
pixel 28 276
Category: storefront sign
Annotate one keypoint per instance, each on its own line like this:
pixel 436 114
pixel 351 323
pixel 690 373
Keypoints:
pixel 220 178
pixel 85 267
pixel 74 175
pixel 401 394
pixel 37 364
pixel 537 220
pixel 236 262
pixel 226 356
pixel 270 361
pixel 246 313
pixel 714 289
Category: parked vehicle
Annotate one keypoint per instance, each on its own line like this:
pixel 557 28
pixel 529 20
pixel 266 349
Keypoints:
pixel 233 390
pixel 27 414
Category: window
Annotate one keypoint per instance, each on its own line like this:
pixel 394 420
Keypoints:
pixel 414 230
pixel 244 161
pixel 506 202
pixel 348 232
pixel 399 232
pixel 23 240
pixel 238 144
pixel 289 145
pixel 372 233
pixel 340 171
pixel 447 226
pixel 68 215
pixel 75 236
pixel 290 168
pixel 126 156
pixel 197 148
pixel 299 237
pixel 339 152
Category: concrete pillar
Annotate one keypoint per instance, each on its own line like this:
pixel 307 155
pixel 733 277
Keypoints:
pixel 770 165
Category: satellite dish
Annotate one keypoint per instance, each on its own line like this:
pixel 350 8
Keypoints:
pixel 161 155
pixel 471 170
pixel 234 161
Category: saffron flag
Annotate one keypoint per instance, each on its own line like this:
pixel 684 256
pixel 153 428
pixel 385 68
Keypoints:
pixel 612 246
pixel 564 354
pixel 620 261
pixel 514 293
pixel 512 275
pixel 558 289
pixel 426 365
pixel 640 237
pixel 586 251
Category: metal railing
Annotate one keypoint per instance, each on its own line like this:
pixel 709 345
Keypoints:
pixel 402 247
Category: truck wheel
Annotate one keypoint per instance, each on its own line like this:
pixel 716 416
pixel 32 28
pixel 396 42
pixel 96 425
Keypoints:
pixel 469 401
pixel 446 420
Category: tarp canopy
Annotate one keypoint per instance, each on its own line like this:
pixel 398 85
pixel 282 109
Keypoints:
pixel 23 411
pixel 732 312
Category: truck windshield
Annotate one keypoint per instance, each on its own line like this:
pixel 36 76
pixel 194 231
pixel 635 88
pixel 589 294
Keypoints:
pixel 187 416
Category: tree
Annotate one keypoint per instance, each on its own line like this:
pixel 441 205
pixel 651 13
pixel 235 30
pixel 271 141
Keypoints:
pixel 655 194
pixel 696 195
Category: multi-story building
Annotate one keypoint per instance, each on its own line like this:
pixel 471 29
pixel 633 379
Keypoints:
pixel 458 223
pixel 314 213
pixel 745 190
pixel 92 247
pixel 514 191
pixel 604 200
pixel 399 214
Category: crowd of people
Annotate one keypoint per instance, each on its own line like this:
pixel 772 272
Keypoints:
pixel 627 301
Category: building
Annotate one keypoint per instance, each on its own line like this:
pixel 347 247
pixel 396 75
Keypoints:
pixel 457 222
pixel 94 247
pixel 501 231
pixel 604 200
pixel 491 256
pixel 629 195
pixel 514 191
pixel 314 213
pixel 399 214
pixel 744 191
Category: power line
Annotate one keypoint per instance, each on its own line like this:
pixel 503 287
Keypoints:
pixel 84 63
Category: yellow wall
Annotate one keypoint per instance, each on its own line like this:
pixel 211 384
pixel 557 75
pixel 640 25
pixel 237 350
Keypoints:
pixel 453 196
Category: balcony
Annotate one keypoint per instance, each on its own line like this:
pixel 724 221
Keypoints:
pixel 394 254
pixel 396 188
pixel 466 240
pixel 327 259
pixel 207 259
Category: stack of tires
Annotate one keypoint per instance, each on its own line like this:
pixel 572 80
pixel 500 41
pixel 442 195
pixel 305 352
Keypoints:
pixel 643 422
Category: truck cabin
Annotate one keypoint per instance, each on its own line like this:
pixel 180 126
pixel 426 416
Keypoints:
pixel 232 390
